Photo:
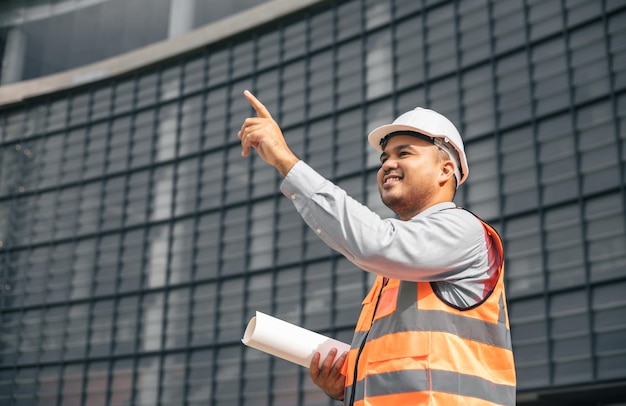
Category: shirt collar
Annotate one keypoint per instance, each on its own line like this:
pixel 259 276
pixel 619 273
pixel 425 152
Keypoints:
pixel 435 207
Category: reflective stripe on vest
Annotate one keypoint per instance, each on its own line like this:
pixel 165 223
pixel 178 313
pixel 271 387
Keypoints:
pixel 411 382
pixel 432 353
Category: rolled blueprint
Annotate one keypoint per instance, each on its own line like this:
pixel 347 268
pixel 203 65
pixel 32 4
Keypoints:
pixel 288 341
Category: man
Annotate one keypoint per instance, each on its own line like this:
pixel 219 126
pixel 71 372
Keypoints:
pixel 434 328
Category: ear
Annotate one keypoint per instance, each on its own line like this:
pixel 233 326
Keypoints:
pixel 447 172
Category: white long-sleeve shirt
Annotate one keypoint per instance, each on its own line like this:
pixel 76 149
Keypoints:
pixel 441 244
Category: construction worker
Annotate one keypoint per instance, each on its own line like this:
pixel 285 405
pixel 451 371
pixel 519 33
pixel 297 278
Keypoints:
pixel 434 328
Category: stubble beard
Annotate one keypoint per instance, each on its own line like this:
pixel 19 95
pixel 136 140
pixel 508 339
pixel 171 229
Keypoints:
pixel 405 205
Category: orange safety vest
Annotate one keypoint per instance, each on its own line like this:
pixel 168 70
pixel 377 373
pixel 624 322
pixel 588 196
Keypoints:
pixel 432 353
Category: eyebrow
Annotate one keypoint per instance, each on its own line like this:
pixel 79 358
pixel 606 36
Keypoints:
pixel 397 148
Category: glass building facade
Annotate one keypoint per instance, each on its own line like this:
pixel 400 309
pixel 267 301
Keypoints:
pixel 43 37
pixel 136 242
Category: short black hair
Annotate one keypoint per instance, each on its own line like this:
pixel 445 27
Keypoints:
pixel 386 138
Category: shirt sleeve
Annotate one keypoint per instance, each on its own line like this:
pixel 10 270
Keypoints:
pixel 441 245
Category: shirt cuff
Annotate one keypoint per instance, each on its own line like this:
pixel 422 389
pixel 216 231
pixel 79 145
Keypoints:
pixel 301 183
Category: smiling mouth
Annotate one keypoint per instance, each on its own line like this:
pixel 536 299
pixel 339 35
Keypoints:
pixel 391 179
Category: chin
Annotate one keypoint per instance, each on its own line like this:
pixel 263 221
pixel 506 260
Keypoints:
pixel 391 201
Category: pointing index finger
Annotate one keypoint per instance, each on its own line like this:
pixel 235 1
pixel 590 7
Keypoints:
pixel 261 110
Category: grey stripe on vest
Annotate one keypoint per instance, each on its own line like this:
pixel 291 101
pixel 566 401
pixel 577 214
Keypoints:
pixel 502 318
pixel 408 381
pixel 357 339
pixel 407 297
pixel 442 321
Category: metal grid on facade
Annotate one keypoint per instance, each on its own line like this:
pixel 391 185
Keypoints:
pixel 136 242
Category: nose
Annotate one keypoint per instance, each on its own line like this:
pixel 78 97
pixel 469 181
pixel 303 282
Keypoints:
pixel 388 165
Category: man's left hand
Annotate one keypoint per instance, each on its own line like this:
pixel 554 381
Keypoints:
pixel 329 376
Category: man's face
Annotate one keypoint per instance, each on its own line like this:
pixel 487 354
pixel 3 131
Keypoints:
pixel 408 176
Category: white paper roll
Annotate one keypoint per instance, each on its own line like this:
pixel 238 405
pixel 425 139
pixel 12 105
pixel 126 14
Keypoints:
pixel 288 341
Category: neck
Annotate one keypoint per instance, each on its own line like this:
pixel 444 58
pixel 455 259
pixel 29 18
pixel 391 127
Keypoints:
pixel 409 214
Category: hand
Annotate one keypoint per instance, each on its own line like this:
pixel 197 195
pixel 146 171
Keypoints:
pixel 263 134
pixel 328 376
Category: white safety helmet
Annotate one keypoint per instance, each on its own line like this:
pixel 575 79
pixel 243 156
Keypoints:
pixel 437 129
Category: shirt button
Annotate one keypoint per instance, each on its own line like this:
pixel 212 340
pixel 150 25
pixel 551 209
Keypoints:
pixel 293 196
pixel 319 231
